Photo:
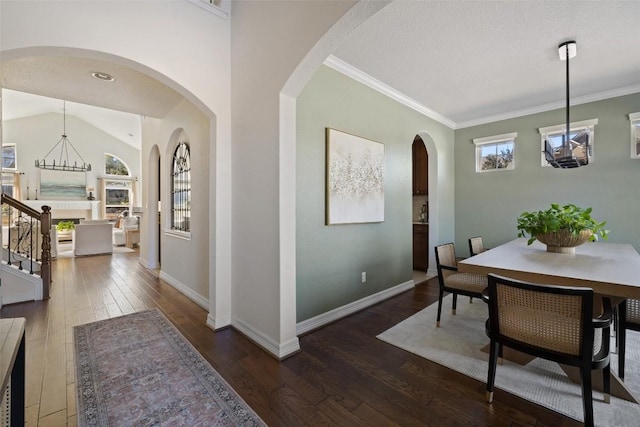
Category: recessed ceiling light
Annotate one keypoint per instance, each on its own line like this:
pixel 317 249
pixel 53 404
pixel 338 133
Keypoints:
pixel 103 76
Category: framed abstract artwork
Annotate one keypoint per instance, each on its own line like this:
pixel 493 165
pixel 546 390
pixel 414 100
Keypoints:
pixel 57 185
pixel 354 179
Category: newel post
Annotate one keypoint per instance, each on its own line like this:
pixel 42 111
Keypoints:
pixel 45 271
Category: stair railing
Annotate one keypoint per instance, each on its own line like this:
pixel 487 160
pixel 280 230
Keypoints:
pixel 29 238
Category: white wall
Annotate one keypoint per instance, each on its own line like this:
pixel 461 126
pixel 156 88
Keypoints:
pixel 179 43
pixel 35 136
pixel 184 257
pixel 265 82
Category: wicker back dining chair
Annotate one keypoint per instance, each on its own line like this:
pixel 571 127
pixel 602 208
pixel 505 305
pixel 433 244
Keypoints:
pixel 628 319
pixel 476 246
pixel 450 280
pixel 551 322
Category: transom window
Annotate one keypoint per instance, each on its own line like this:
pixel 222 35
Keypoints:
pixel 115 166
pixel 635 135
pixel 495 153
pixel 582 130
pixel 181 188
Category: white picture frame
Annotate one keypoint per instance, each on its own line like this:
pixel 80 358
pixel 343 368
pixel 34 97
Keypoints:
pixel 354 179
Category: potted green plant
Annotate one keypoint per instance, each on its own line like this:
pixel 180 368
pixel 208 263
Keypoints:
pixel 561 228
pixel 65 226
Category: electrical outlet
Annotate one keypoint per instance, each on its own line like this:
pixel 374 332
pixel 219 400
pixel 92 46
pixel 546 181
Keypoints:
pixel 364 276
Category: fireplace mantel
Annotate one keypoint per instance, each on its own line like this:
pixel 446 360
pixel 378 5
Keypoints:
pixel 91 206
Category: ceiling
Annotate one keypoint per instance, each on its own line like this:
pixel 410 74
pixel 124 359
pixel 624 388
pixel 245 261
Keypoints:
pixel 469 62
pixel 38 84
pixel 478 61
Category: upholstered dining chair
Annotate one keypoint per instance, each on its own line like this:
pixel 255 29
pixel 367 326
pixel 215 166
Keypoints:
pixel 628 319
pixel 469 284
pixel 476 246
pixel 551 322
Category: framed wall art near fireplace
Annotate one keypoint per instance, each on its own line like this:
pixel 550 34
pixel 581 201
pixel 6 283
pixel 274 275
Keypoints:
pixel 354 179
pixel 62 185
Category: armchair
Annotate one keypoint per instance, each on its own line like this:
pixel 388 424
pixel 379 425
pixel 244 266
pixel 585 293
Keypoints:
pixel 469 284
pixel 125 225
pixel 551 322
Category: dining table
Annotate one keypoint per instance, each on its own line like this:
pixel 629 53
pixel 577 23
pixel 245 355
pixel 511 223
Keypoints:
pixel 612 270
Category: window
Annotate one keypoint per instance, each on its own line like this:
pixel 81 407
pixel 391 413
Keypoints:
pixel 115 166
pixel 8 184
pixel 582 130
pixel 495 152
pixel 117 197
pixel 9 156
pixel 181 188
pixel 635 135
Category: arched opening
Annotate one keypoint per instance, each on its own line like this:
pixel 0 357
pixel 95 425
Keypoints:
pixel 150 157
pixel 287 161
pixel 153 227
pixel 435 188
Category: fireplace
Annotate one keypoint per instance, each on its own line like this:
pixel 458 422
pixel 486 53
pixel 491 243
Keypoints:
pixel 60 209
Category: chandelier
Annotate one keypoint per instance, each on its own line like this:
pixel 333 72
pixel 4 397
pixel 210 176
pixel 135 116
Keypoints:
pixel 574 152
pixel 58 157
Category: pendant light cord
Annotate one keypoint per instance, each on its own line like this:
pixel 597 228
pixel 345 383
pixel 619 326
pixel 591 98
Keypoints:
pixel 567 147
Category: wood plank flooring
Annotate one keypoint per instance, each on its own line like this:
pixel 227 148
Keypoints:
pixel 343 376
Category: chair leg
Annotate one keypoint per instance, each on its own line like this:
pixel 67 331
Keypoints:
pixel 455 303
pixel 491 376
pixel 439 307
pixel 470 300
pixel 500 358
pixel 587 398
pixel 621 333
pixel 606 383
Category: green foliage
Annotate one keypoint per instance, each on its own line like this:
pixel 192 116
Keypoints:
pixel 498 161
pixel 65 226
pixel 114 166
pixel 568 217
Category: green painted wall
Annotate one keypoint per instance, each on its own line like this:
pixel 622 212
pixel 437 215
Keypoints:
pixel 330 259
pixel 488 204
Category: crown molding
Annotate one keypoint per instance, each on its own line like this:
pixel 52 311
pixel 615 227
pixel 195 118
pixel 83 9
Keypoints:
pixel 628 90
pixel 362 77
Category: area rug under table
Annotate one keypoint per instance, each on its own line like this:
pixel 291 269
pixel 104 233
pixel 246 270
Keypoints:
pixel 459 342
pixel 139 370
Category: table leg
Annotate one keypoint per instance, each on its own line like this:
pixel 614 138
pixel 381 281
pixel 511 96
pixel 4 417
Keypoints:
pixel 618 387
pixel 18 387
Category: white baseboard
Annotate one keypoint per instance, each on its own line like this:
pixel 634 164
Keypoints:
pixel 187 291
pixel 280 351
pixel 346 310
pixel 217 325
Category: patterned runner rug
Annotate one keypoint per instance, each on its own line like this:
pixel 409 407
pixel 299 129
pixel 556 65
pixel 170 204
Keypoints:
pixel 458 345
pixel 139 370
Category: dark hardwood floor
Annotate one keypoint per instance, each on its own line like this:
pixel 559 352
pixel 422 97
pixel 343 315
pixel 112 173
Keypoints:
pixel 343 376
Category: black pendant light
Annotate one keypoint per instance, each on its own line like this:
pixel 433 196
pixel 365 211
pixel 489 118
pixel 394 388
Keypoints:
pixel 576 151
pixel 61 151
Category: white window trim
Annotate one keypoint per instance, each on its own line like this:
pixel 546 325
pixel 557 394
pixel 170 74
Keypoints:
pixel 184 235
pixel 495 139
pixel 584 124
pixel 634 118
